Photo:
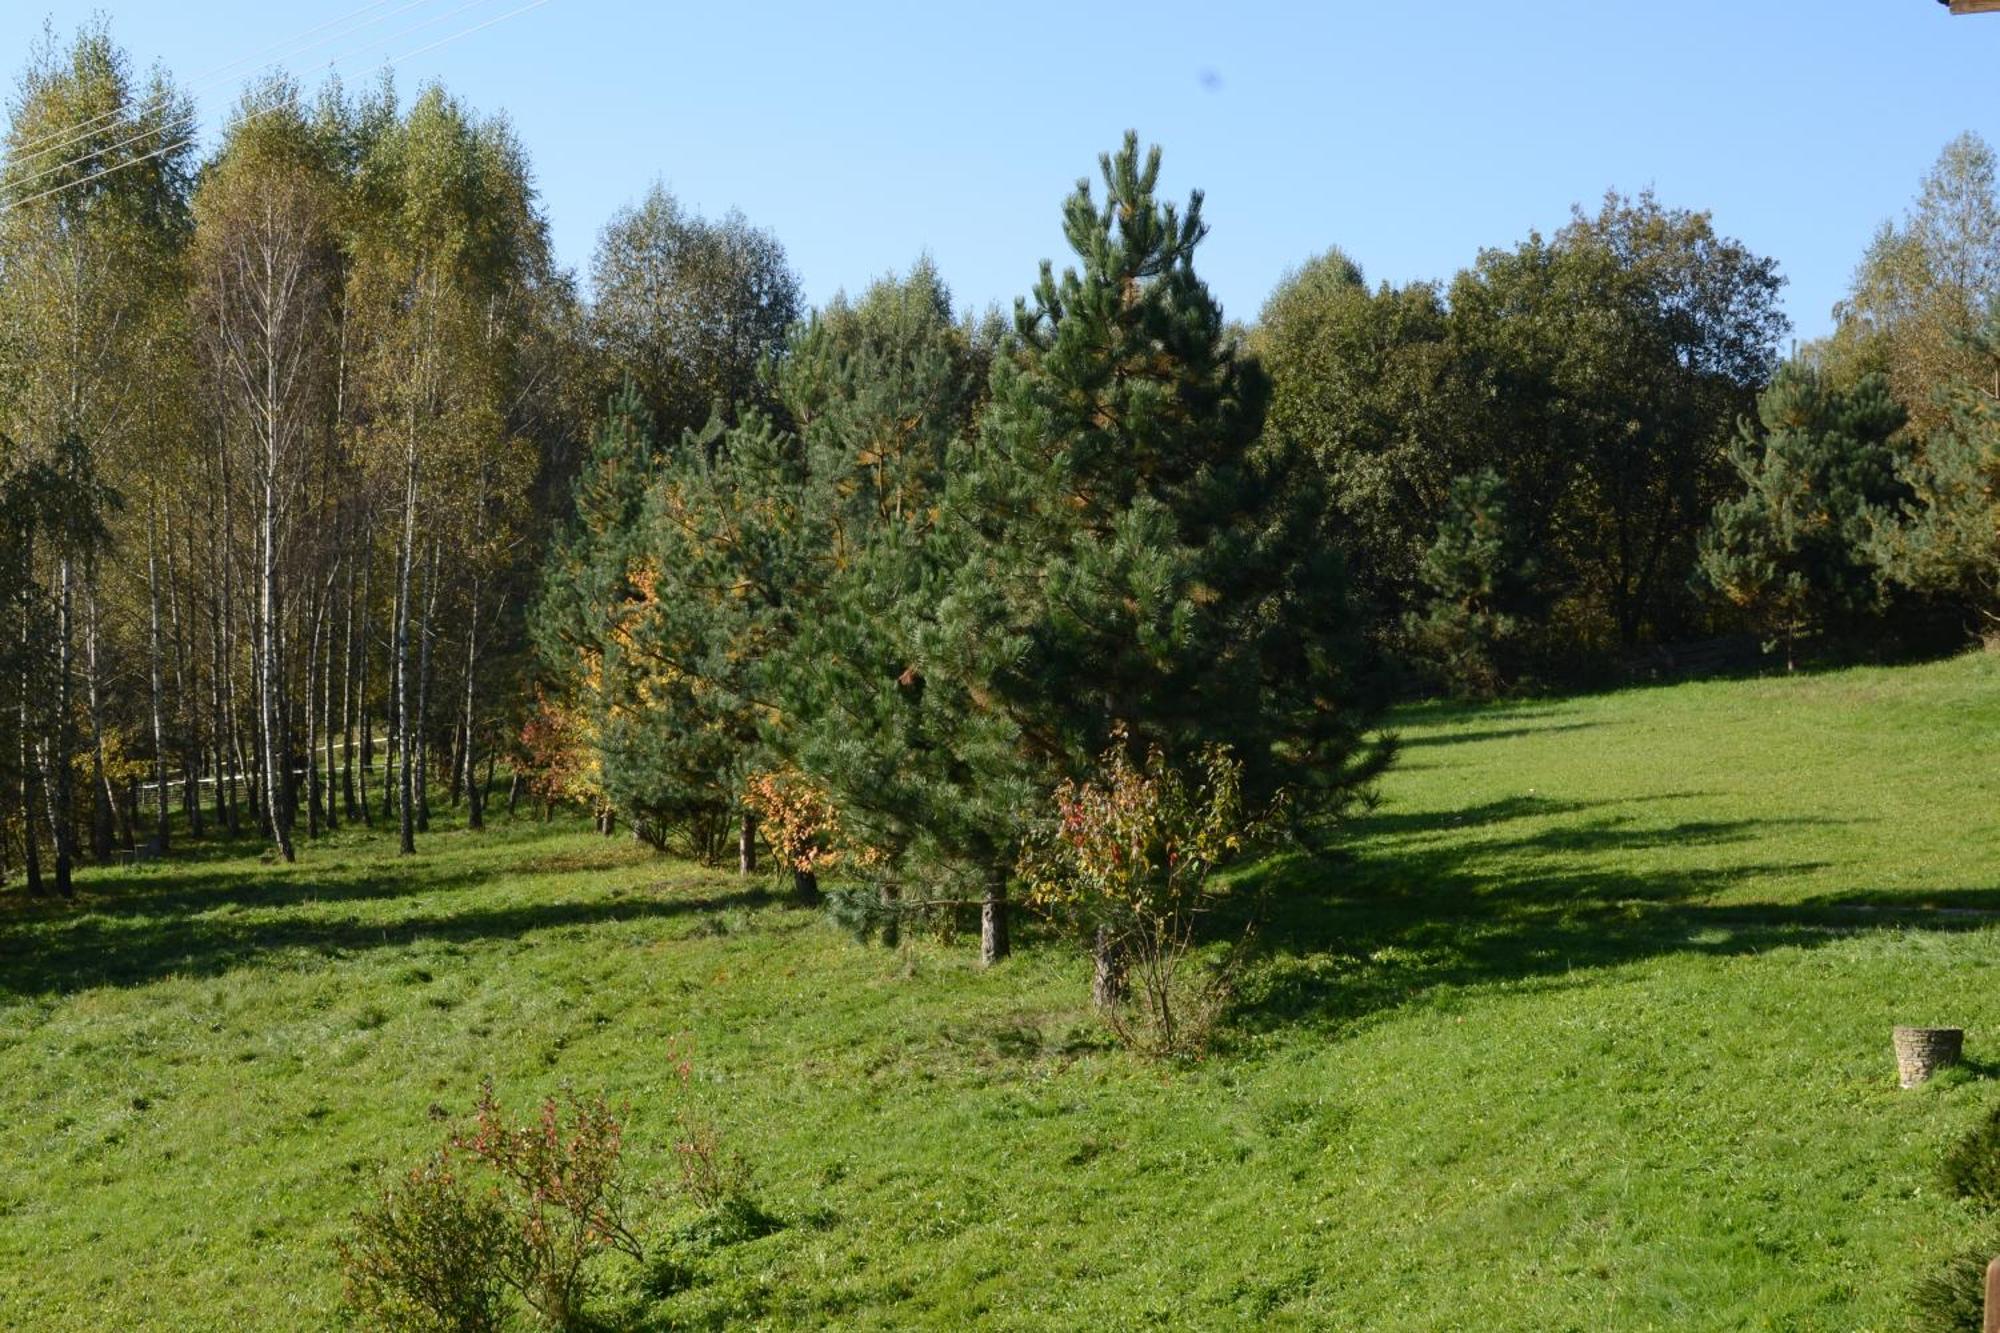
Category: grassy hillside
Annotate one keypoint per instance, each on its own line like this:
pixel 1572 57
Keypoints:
pixel 1588 1029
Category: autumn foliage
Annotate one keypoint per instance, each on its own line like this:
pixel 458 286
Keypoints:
pixel 1124 861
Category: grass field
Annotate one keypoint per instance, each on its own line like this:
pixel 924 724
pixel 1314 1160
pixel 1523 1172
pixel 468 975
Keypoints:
pixel 1587 1029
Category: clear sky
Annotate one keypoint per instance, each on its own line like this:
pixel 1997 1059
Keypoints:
pixel 1409 134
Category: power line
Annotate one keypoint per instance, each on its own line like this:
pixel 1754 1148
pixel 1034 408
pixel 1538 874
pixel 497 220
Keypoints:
pixel 45 144
pixel 188 120
pixel 275 106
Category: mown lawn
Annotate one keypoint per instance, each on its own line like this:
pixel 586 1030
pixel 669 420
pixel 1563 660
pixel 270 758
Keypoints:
pixel 1588 1028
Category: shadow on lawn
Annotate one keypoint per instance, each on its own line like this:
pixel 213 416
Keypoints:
pixel 1348 937
pixel 200 930
pixel 1429 738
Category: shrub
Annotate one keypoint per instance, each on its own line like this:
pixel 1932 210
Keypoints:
pixel 1951 1297
pixel 1971 1166
pixel 436 1253
pixel 1124 863
pixel 559 756
pixel 803 828
pixel 713 1177
pixel 423 1259
pixel 563 1194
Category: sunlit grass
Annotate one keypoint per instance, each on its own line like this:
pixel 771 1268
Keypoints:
pixel 1587 1029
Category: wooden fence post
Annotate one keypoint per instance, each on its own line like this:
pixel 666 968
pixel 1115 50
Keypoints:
pixel 1992 1321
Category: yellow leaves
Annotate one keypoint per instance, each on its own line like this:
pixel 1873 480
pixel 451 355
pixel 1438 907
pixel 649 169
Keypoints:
pixel 562 753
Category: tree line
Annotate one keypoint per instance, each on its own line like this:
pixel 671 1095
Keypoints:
pixel 312 437
pixel 278 424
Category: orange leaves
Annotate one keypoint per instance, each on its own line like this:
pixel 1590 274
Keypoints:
pixel 561 748
pixel 800 823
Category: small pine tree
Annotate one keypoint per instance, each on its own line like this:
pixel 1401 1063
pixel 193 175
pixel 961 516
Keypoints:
pixel 1944 540
pixel 714 562
pixel 586 589
pixel 1793 547
pixel 882 389
pixel 1479 576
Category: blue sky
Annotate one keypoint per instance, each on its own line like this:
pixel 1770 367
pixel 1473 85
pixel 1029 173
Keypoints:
pixel 1411 135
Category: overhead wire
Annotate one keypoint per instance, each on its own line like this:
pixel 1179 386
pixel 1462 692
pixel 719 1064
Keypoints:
pixel 275 106
pixel 46 143
pixel 175 124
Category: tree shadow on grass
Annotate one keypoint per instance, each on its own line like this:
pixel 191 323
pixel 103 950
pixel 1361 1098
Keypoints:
pixel 1405 741
pixel 1342 939
pixel 216 876
pixel 51 954
pixel 1382 824
pixel 259 888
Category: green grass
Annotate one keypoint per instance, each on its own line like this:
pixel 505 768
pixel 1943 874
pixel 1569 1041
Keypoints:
pixel 1587 1028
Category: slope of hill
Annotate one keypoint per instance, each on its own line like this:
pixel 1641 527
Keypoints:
pixel 1588 1028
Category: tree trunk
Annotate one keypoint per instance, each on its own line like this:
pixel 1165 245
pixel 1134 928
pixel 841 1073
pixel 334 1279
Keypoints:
pixel 313 813
pixel 153 663
pixel 59 783
pixel 130 806
pixel 805 888
pixel 892 920
pixel 347 699
pixel 993 944
pixel 475 813
pixel 236 759
pixel 326 718
pixel 361 685
pixel 1107 982
pixel 31 858
pixel 419 752
pixel 189 712
pixel 405 556
pixel 276 762
pixel 746 845
pixel 103 801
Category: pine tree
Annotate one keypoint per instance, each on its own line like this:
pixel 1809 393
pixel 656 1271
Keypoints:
pixel 1480 577
pixel 1944 540
pixel 587 591
pixel 1793 548
pixel 713 563
pixel 882 390
pixel 1125 554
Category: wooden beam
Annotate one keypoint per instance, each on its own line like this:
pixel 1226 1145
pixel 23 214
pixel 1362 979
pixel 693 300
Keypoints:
pixel 1975 6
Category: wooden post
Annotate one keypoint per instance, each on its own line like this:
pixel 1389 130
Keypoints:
pixel 1992 1321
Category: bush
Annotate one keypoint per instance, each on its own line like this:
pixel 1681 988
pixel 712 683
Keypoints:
pixel 1971 1167
pixel 436 1253
pixel 1124 863
pixel 713 1177
pixel 1952 1296
pixel 423 1258
pixel 803 828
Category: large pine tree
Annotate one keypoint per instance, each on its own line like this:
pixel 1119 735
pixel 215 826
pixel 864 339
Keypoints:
pixel 1127 550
